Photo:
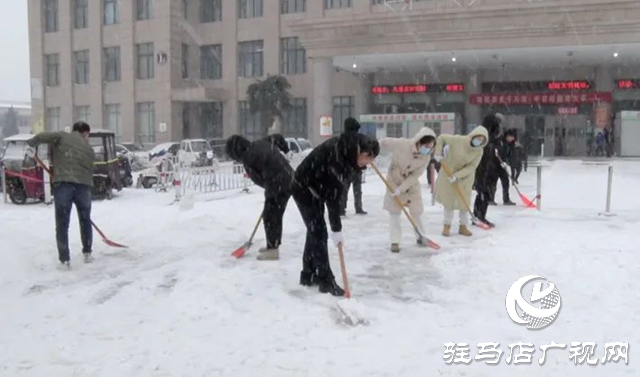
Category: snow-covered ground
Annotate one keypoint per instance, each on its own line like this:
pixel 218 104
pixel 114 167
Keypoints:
pixel 176 303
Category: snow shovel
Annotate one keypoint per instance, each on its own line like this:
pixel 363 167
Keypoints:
pixel 477 221
pixel 348 307
pixel 239 253
pixel 425 240
pixel 526 201
pixel 104 238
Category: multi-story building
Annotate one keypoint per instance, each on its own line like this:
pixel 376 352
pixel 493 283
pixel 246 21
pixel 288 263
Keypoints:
pixel 160 70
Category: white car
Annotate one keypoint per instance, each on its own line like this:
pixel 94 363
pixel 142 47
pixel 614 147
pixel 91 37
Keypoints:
pixel 298 149
pixel 196 152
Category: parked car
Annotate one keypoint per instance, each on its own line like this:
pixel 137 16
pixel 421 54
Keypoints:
pixel 138 158
pixel 195 152
pixel 160 150
pixel 24 177
pixel 299 148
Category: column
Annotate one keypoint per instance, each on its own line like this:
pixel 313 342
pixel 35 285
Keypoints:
pixel 472 113
pixel 363 94
pixel 322 105
pixel 602 112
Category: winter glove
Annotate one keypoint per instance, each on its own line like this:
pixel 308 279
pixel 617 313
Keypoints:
pixel 504 165
pixel 453 179
pixel 396 192
pixel 337 238
pixel 445 150
pixel 438 157
pixel 30 151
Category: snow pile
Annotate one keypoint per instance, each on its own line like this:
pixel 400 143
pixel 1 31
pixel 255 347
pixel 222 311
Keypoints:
pixel 177 304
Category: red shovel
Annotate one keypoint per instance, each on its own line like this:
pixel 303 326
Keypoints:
pixel 526 201
pixel 104 238
pixel 239 253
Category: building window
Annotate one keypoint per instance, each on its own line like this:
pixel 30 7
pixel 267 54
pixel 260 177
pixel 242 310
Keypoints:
pixel 335 4
pixel 249 8
pixel 81 67
pixel 211 62
pixel 342 109
pixel 143 9
pixel 250 124
pixel 293 57
pixel 145 70
pixel 113 119
pixel 51 16
pixel 185 61
pixel 82 114
pixel 185 9
pixel 394 130
pixel 210 10
pixel 52 62
pixel 146 120
pixel 296 122
pixel 250 58
pixel 112 64
pixel 293 6
pixel 52 119
pixel 211 120
pixel 81 14
pixel 111 12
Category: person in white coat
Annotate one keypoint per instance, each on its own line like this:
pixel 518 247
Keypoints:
pixel 409 160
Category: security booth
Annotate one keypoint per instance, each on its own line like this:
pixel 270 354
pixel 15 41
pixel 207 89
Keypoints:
pixel 628 128
pixel 407 125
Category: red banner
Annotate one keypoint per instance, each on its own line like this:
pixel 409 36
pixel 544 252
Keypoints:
pixel 539 98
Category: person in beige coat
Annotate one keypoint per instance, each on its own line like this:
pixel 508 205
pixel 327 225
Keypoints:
pixel 409 160
pixel 461 154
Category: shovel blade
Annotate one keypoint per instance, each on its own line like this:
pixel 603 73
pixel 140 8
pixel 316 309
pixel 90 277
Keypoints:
pixel 351 312
pixel 239 252
pixel 114 244
pixel 527 202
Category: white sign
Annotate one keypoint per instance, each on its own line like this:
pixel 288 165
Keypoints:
pixel 397 118
pixel 326 126
pixel 630 115
pixel 162 127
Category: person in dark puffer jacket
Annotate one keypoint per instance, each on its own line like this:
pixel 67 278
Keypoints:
pixel 269 169
pixel 319 182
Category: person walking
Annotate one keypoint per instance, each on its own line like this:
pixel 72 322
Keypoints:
pixel 460 155
pixel 318 182
pixel 353 126
pixel 268 168
pixel 409 160
pixel 73 160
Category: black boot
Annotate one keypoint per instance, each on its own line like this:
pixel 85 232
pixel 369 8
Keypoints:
pixel 308 279
pixel 360 211
pixel 330 286
pixel 509 203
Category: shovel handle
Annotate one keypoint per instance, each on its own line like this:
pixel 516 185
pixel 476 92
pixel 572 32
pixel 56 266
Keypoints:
pixel 343 269
pixel 255 229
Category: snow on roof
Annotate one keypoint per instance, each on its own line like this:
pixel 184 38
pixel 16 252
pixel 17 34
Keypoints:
pixel 19 137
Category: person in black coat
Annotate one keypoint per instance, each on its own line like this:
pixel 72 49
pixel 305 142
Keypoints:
pixel 351 125
pixel 514 153
pixel 269 169
pixel 319 182
pixel 503 149
pixel 487 173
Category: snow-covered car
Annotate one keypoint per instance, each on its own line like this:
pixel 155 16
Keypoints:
pixel 196 152
pixel 298 149
pixel 138 158
pixel 160 150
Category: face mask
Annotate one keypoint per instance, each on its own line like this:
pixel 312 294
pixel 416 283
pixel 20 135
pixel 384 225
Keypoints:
pixel 425 151
pixel 476 142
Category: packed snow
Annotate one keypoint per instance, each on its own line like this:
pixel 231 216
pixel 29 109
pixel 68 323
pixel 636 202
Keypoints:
pixel 177 304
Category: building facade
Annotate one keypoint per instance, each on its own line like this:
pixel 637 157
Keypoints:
pixel 163 70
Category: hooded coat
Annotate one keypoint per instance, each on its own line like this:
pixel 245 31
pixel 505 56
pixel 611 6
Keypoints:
pixel 405 169
pixel 462 159
pixel 263 162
